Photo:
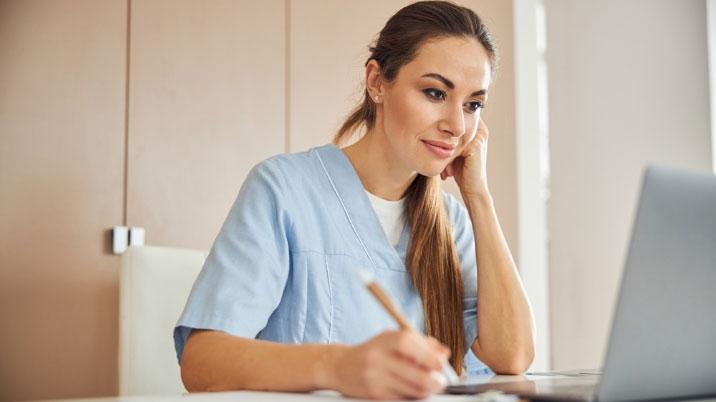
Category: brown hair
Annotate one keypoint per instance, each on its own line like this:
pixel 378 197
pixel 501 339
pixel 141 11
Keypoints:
pixel 432 259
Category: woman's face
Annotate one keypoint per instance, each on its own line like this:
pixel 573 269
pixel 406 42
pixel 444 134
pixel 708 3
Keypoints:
pixel 431 110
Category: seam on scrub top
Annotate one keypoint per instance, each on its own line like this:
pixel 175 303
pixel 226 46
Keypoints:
pixel 330 298
pixel 309 251
pixel 350 221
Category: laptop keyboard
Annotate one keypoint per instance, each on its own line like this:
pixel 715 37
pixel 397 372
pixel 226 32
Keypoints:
pixel 574 387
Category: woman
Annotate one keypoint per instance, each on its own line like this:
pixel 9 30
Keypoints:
pixel 278 306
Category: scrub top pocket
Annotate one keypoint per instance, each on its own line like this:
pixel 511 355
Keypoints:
pixel 357 316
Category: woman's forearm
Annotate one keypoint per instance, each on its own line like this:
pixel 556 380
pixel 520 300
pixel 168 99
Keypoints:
pixel 216 361
pixel 391 365
pixel 505 322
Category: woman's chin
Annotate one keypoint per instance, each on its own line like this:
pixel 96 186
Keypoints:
pixel 431 171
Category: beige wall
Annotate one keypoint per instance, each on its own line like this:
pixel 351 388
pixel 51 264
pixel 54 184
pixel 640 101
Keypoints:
pixel 206 103
pixel 201 101
pixel 62 68
pixel 628 85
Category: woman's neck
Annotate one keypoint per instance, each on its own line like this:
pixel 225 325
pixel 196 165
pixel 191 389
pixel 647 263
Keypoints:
pixel 380 172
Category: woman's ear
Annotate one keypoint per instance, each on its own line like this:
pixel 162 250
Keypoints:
pixel 374 81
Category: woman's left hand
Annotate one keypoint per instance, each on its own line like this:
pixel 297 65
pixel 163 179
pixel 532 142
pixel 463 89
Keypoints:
pixel 470 168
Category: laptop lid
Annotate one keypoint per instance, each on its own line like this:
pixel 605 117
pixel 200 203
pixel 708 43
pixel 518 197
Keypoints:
pixel 663 335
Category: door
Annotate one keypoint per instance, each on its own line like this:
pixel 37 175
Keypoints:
pixel 62 108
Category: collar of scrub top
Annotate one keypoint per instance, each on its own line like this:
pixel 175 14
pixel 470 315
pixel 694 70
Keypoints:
pixel 361 216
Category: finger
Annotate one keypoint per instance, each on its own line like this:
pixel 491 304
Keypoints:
pixel 411 379
pixel 394 378
pixel 482 131
pixel 410 391
pixel 391 395
pixel 386 392
pixel 482 126
pixel 449 170
pixel 405 389
pixel 416 347
pixel 379 382
pixel 439 347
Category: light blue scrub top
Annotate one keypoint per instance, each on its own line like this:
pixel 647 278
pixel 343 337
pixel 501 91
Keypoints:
pixel 282 266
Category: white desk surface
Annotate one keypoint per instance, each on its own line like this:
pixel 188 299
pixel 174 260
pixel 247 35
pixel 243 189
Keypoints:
pixel 253 396
pixel 320 396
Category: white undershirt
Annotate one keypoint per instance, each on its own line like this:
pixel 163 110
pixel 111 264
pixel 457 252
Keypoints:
pixel 390 215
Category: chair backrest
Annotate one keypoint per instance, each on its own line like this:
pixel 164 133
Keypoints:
pixel 154 285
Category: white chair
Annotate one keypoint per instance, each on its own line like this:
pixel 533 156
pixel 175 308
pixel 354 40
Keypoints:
pixel 154 285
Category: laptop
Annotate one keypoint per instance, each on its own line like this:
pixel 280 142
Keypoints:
pixel 662 343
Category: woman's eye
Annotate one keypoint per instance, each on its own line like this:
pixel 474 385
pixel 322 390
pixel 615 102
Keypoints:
pixel 434 94
pixel 472 107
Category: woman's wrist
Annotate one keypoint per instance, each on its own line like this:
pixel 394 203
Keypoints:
pixel 326 372
pixel 479 198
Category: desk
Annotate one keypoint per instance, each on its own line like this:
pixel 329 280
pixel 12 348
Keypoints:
pixel 320 396
pixel 251 396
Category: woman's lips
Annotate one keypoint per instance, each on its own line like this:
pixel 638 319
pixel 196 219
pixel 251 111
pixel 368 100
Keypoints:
pixel 441 149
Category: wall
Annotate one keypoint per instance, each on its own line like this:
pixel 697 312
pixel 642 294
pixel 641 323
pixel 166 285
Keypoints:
pixel 532 169
pixel 62 85
pixel 205 104
pixel 84 149
pixel 628 85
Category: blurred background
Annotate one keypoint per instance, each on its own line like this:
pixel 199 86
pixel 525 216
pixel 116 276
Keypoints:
pixel 150 113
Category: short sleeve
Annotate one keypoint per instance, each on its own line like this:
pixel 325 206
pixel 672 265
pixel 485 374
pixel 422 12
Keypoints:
pixel 242 280
pixel 465 245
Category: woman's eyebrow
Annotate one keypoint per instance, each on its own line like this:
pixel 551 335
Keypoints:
pixel 449 83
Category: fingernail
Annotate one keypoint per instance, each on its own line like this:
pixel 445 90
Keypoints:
pixel 439 377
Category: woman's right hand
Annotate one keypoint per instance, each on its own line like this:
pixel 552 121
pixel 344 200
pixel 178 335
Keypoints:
pixel 392 365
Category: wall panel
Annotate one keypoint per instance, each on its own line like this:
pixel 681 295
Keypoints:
pixel 61 161
pixel 206 103
pixel 624 92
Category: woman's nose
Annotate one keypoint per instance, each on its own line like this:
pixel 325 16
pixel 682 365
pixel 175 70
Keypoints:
pixel 453 122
